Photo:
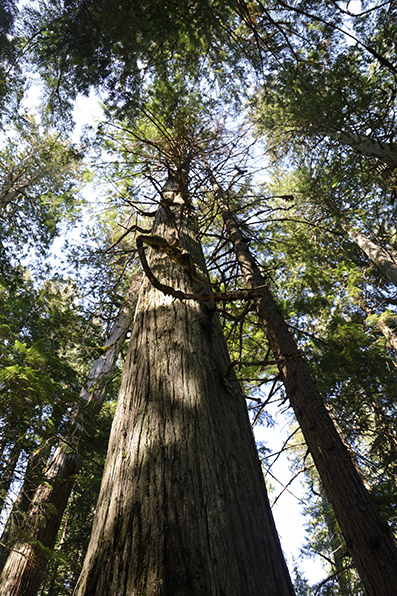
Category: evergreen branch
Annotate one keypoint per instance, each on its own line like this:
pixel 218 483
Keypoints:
pixel 335 574
pixel 272 391
pixel 379 57
pixel 134 228
pixel 285 486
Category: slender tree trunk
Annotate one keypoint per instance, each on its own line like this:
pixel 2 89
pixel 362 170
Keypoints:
pixel 386 331
pixel 364 145
pixel 182 509
pixel 378 255
pixel 344 583
pixel 367 537
pixel 49 585
pixel 8 465
pixel 385 261
pixel 3 441
pixel 26 564
pixel 387 428
pixel 336 547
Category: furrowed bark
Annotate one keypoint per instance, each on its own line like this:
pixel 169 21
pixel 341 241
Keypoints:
pixel 367 537
pixel 182 509
pixel 26 564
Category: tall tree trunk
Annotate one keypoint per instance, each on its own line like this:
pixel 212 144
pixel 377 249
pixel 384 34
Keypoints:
pixel 49 586
pixel 26 564
pixel 387 333
pixel 182 508
pixel 367 537
pixel 385 261
pixel 3 445
pixel 32 479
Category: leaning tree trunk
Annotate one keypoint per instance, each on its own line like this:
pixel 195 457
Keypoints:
pixel 385 262
pixel 182 508
pixel 26 564
pixel 383 327
pixel 364 145
pixel 367 537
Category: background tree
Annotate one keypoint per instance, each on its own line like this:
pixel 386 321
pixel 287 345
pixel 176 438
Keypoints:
pixel 37 534
pixel 41 176
pixel 319 278
pixel 317 426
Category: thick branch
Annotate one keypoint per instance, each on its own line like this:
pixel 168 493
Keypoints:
pixel 168 290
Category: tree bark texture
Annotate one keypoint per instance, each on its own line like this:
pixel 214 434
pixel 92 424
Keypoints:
pixel 182 510
pixel 367 537
pixel 26 564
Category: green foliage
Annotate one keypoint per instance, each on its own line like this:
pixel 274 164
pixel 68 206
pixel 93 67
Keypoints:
pixel 301 585
pixel 40 366
pixel 41 174
pixel 324 538
pixel 7 46
pixel 119 45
